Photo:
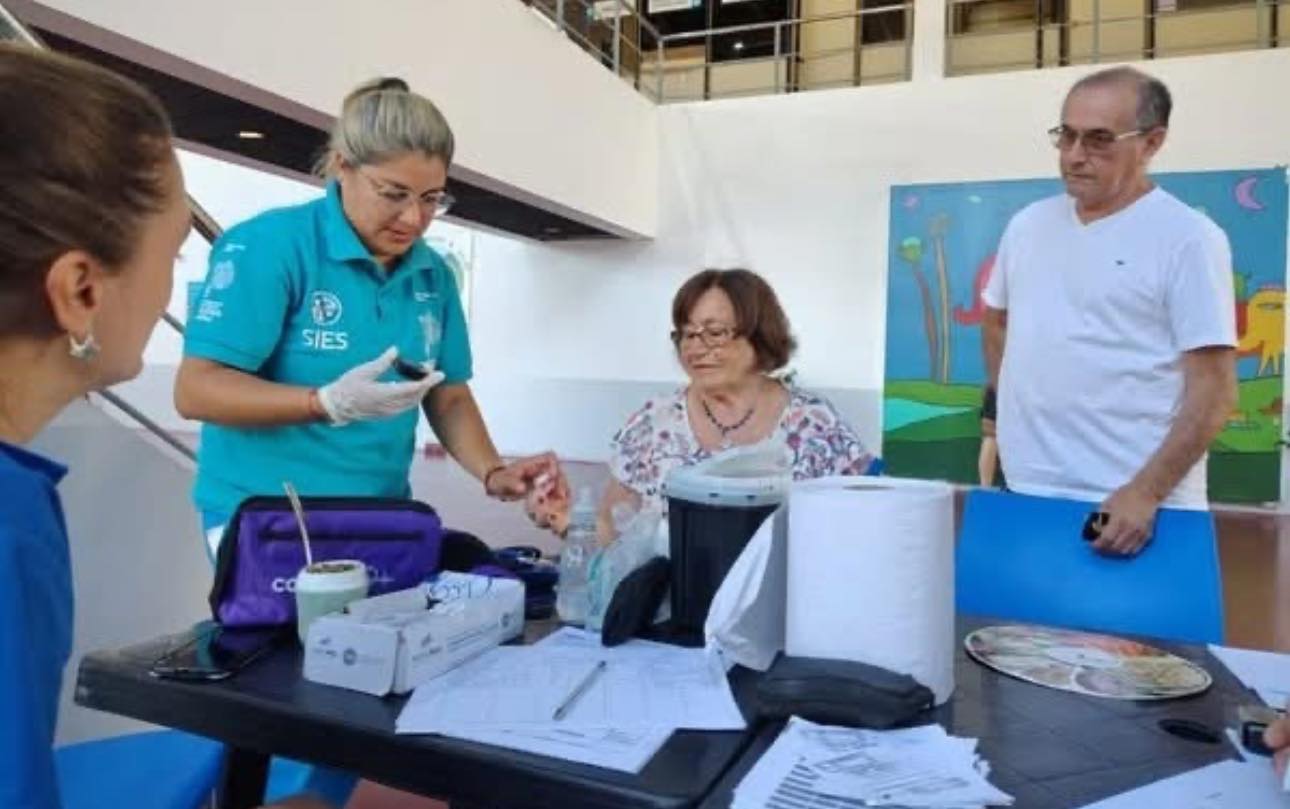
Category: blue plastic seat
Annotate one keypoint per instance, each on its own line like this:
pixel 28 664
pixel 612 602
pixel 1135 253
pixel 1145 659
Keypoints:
pixel 1023 559
pixel 163 769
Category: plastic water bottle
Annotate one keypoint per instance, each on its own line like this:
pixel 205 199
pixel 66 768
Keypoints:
pixel 579 546
pixel 600 574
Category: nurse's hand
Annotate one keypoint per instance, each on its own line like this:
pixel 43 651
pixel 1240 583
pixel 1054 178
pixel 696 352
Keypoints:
pixel 518 479
pixel 358 396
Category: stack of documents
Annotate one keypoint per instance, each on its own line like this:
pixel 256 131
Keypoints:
pixel 814 766
pixel 614 715
pixel 1227 784
pixel 1268 673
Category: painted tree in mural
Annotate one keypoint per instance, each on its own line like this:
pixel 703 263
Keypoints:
pixel 911 250
pixel 939 226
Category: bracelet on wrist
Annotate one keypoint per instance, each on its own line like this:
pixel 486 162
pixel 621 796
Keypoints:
pixel 488 476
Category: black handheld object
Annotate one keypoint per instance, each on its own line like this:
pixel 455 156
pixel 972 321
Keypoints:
pixel 1252 738
pixel 1094 524
pixel 216 653
pixel 409 370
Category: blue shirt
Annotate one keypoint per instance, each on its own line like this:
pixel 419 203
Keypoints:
pixel 36 641
pixel 294 296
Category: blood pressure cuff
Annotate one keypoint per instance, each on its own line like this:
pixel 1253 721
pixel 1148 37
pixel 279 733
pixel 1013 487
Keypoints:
pixel 840 692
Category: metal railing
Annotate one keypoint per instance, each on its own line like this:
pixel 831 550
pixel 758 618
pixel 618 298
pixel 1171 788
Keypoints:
pixel 612 31
pixel 787 56
pixel 1051 34
pixel 12 29
pixel 845 48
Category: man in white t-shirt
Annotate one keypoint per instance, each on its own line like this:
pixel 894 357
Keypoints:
pixel 1110 328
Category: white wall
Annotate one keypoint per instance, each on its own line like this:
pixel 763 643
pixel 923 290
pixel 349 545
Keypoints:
pixel 796 187
pixel 533 115
pixel 569 338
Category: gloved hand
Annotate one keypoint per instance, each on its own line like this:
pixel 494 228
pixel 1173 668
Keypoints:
pixel 357 396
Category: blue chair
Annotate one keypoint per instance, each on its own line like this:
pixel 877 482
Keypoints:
pixel 162 769
pixel 1022 558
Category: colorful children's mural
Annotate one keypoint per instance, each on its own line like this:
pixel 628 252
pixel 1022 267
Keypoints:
pixel 943 239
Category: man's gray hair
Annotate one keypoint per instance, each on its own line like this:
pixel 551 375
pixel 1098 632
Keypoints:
pixel 1154 102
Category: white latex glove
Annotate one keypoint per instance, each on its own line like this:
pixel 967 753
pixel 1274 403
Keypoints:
pixel 357 396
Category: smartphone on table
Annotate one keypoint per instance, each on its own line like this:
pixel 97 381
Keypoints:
pixel 215 652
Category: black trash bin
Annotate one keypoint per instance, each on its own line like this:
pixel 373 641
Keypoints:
pixel 714 508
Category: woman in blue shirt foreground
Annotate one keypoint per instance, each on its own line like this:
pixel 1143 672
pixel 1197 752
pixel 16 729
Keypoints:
pixel 91 219
pixel 291 345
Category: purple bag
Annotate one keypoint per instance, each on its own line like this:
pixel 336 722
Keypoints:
pixel 261 552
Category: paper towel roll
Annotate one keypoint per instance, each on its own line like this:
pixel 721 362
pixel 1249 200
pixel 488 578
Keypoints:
pixel 871 576
pixel 745 623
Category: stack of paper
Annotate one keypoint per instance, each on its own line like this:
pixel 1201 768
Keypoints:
pixel 1251 785
pixel 1268 673
pixel 509 696
pixel 821 767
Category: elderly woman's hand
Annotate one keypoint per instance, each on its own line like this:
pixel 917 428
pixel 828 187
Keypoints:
pixel 548 504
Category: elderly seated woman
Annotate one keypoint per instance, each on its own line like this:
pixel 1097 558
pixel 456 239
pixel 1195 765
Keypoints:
pixel 731 337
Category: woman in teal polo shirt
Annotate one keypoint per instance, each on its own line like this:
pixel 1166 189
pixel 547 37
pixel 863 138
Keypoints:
pixel 294 346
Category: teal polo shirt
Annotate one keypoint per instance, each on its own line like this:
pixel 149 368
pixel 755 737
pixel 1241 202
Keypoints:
pixel 293 296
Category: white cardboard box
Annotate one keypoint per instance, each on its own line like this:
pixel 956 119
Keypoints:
pixel 397 652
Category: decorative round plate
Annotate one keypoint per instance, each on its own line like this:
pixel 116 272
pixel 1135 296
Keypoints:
pixel 1098 665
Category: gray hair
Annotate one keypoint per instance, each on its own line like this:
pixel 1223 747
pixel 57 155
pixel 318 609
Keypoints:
pixel 384 118
pixel 1154 102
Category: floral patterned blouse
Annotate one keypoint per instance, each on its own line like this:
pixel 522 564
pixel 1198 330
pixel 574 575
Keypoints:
pixel 658 438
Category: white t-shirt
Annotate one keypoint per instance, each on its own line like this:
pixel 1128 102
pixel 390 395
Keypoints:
pixel 1099 316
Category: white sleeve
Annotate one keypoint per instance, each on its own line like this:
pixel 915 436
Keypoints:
pixel 1200 297
pixel 995 293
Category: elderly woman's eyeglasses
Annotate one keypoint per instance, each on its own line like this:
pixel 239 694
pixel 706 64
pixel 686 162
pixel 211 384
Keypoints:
pixel 1094 140
pixel 712 336
pixel 396 199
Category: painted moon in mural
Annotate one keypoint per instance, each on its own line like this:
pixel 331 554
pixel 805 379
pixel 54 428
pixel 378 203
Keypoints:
pixel 1244 193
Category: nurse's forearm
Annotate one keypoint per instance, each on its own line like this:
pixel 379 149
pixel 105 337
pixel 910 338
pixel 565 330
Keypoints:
pixel 214 393
pixel 455 418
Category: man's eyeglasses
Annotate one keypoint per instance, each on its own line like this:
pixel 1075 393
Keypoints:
pixel 714 336
pixel 436 203
pixel 1094 140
